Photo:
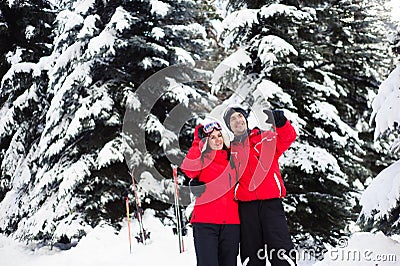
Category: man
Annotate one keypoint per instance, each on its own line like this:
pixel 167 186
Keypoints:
pixel 260 188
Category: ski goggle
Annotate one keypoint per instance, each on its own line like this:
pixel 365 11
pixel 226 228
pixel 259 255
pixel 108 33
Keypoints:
pixel 208 128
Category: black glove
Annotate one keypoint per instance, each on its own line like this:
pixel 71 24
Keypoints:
pixel 197 187
pixel 200 133
pixel 275 115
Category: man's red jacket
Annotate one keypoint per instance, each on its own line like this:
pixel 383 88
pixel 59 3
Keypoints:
pixel 256 163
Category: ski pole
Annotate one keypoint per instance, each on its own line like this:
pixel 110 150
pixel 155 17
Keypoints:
pixel 177 209
pixel 129 224
pixel 138 211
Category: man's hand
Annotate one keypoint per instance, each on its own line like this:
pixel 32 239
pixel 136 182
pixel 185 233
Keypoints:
pixel 276 117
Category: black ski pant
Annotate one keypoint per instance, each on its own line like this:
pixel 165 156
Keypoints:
pixel 216 244
pixel 264 233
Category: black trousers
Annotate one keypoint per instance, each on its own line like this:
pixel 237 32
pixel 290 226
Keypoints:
pixel 216 244
pixel 264 233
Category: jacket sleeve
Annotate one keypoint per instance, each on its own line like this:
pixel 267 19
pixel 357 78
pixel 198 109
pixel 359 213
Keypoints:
pixel 286 135
pixel 192 163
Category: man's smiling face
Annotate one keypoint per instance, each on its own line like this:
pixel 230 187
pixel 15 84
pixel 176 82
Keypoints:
pixel 238 123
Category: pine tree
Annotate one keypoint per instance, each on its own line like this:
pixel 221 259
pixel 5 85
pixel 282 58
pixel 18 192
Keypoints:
pixel 25 36
pixel 72 174
pixel 380 208
pixel 25 31
pixel 318 61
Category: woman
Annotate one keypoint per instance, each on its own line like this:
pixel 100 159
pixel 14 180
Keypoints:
pixel 215 217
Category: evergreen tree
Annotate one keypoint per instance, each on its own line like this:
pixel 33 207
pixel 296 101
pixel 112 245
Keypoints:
pixel 318 61
pixel 25 35
pixel 380 201
pixel 71 174
pixel 24 31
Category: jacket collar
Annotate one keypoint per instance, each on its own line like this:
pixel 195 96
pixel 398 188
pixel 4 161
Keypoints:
pixel 242 138
pixel 249 133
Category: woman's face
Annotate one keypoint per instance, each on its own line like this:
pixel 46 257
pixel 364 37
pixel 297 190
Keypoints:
pixel 215 140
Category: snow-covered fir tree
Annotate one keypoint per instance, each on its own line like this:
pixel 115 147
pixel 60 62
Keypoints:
pixel 62 165
pixel 318 61
pixel 25 34
pixel 25 28
pixel 380 201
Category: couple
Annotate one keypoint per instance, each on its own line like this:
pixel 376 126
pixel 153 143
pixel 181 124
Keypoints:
pixel 239 192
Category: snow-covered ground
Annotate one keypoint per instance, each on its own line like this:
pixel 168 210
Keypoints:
pixel 105 246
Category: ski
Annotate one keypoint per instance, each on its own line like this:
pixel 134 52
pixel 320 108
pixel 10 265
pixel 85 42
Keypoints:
pixel 129 223
pixel 178 216
pixel 143 235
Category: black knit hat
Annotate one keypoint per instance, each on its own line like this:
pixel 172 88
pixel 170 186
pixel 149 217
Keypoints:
pixel 230 111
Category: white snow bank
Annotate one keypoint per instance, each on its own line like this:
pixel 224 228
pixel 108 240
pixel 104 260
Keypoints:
pixel 386 105
pixel 382 194
pixel 104 246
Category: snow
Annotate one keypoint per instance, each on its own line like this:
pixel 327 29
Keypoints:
pixel 193 28
pixel 158 33
pixel 122 19
pixel 329 113
pixel 10 2
pixel 89 27
pixel 277 9
pixel 158 48
pixel 132 102
pixel 72 177
pixel 239 19
pixel 14 155
pixel 233 62
pixel 323 89
pixel 386 105
pixel 181 93
pixel 68 20
pixel 382 195
pixel 23 67
pixel 14 58
pixel 234 21
pixel 270 46
pixel 29 32
pixel 110 153
pixel 395 6
pixel 246 17
pixel 104 43
pixel 307 158
pixel 57 208
pixel 267 90
pixel 148 62
pixel 103 245
pixel 159 8
pixel 7 120
pixel 73 52
pixel 183 56
pixel 82 7
pixel 97 105
pixel 363 249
